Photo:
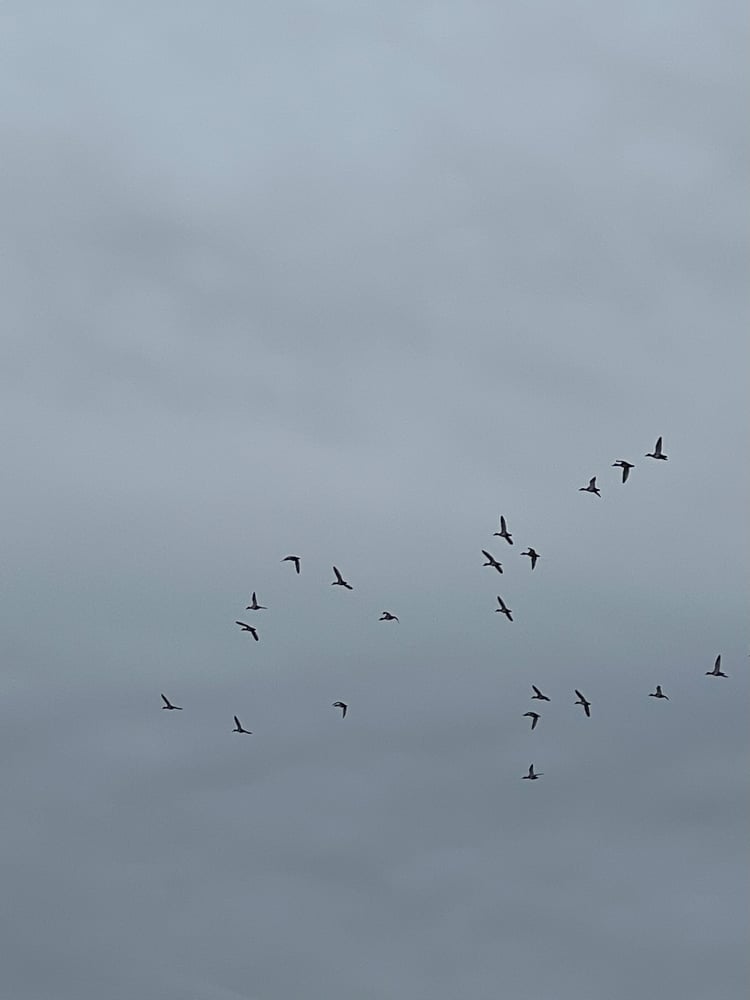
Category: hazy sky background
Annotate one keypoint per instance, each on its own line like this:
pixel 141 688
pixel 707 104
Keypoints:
pixel 348 280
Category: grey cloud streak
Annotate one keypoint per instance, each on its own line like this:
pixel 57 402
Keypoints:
pixel 348 282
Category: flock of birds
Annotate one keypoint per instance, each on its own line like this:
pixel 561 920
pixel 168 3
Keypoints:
pixel 493 563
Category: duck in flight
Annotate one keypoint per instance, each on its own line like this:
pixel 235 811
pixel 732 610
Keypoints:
pixel 343 706
pixel 254 606
pixel 591 488
pixel 387 617
pixel 491 561
pixel 657 452
pixel 625 466
pixel 168 705
pixel 532 775
pixel 658 693
pixel 503 532
pixel 248 628
pixel 582 701
pixel 504 609
pixel 294 559
pixel 535 717
pixel 340 581
pixel 538 694
pixel 238 727
pixel 717 671
pixel 532 554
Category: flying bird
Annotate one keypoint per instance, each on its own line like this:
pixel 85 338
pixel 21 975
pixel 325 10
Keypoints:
pixel 491 561
pixel 238 727
pixel 582 701
pixel 294 559
pixel 340 581
pixel 658 693
pixel 532 554
pixel 503 532
pixel 717 671
pixel 254 606
pixel 532 775
pixel 535 717
pixel 504 609
pixel 387 617
pixel 538 694
pixel 591 488
pixel 657 452
pixel 248 628
pixel 168 704
pixel 625 466
pixel 343 706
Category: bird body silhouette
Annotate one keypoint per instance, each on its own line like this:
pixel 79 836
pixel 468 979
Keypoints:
pixel 343 706
pixel 293 559
pixel 504 609
pixel 248 628
pixel 532 775
pixel 535 717
pixel 717 671
pixel 387 617
pixel 584 703
pixel 658 693
pixel 538 694
pixel 168 705
pixel 503 532
pixel 491 561
pixel 625 466
pixel 340 581
pixel 591 488
pixel 254 606
pixel 238 727
pixel 532 554
pixel 657 452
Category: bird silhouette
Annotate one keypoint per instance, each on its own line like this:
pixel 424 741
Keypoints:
pixel 238 727
pixel 168 705
pixel 717 671
pixel 582 701
pixel 343 706
pixel 491 561
pixel 591 488
pixel 248 628
pixel 657 452
pixel 532 554
pixel 340 581
pixel 294 559
pixel 658 693
pixel 532 775
pixel 534 716
pixel 254 606
pixel 503 532
pixel 625 466
pixel 387 617
pixel 504 609
pixel 537 695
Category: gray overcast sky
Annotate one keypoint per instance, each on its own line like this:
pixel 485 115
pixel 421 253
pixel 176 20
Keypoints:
pixel 348 280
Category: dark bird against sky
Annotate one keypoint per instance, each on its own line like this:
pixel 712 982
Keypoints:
pixel 657 452
pixel 591 488
pixel 503 532
pixel 294 559
pixel 504 609
pixel 248 628
pixel 340 581
pixel 491 561
pixel 532 554
pixel 625 466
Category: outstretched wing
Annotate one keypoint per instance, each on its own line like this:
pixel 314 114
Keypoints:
pixel 339 577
